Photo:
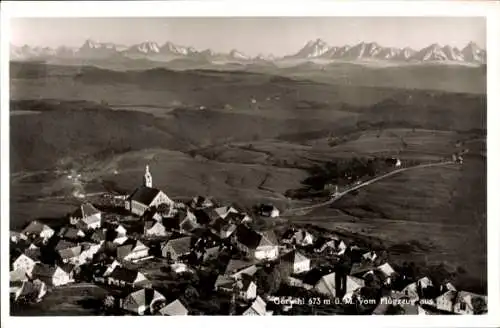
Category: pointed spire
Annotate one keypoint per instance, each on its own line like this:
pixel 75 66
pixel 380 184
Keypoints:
pixel 148 178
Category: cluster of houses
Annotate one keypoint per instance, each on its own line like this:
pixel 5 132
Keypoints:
pixel 189 235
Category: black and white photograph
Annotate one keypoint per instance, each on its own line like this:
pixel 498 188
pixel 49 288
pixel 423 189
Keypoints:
pixel 246 166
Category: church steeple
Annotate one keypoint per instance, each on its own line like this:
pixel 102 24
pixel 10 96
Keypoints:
pixel 148 179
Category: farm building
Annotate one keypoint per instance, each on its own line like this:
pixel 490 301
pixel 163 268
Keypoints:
pixel 261 246
pixel 334 285
pixel 36 229
pixel 258 307
pixel 121 276
pixel 16 237
pixel 143 300
pixel 132 249
pixel 294 262
pixel 53 275
pixel 269 210
pixel 26 261
pixel 176 248
pixel 86 217
pixel 174 308
pixel 154 229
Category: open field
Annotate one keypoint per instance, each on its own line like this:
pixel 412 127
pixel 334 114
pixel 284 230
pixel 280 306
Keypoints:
pixel 106 126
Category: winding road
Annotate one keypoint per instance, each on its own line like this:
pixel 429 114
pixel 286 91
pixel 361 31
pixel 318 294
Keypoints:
pixel 297 211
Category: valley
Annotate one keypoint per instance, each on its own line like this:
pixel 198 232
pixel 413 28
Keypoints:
pixel 249 137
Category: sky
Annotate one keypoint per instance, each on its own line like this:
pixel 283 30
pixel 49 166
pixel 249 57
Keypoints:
pixel 251 35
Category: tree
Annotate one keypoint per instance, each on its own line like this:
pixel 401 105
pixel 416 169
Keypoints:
pixel 262 282
pixel 275 280
pixel 109 303
pixel 479 305
pixel 268 282
pixel 191 293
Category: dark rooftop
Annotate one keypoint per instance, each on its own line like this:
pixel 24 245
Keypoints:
pixel 144 195
pixel 248 237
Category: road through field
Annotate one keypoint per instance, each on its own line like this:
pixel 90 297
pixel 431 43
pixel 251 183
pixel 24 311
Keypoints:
pixel 297 211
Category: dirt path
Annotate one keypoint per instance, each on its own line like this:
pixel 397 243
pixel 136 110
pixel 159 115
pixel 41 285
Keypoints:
pixel 297 211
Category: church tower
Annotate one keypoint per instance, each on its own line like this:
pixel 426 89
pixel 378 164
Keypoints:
pixel 148 179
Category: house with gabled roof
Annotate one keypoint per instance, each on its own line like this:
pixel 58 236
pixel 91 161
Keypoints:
pixel 174 249
pixel 174 308
pixel 224 211
pixel 160 212
pixel 72 233
pixel 16 280
pixel 17 237
pixel 143 300
pixel 86 216
pixel 111 264
pixel 121 276
pixel 329 285
pixel 262 246
pixel 37 229
pixel 258 307
pixel 53 275
pixel 121 235
pixel 188 221
pixel 223 228
pixel 210 253
pixel 31 291
pixel 268 248
pixel 154 229
pixel 387 272
pixel 236 268
pixel 243 286
pixel 298 237
pixel 104 268
pixel 200 202
pixel 206 215
pixel 120 230
pixel 18 275
pixel 269 210
pixel 69 252
pixel 415 290
pixel 370 256
pixel 295 262
pixel 332 245
pixel 27 261
pixel 131 249
pixel 465 303
pixel 360 269
pixel 88 251
pixel 446 301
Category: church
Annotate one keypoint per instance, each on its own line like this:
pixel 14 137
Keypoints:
pixel 146 196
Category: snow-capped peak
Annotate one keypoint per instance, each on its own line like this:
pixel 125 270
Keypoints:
pixel 237 55
pixel 473 53
pixel 453 53
pixel 148 47
pixel 171 48
pixel 312 49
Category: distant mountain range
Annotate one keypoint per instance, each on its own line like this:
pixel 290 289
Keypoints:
pixel 313 50
pixel 318 49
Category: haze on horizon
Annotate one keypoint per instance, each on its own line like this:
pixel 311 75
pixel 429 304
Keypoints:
pixel 251 35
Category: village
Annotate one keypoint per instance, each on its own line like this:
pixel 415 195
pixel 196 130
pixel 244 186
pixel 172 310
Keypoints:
pixel 157 256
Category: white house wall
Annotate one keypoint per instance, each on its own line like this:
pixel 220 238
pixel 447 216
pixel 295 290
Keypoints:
pixel 24 263
pixel 266 253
